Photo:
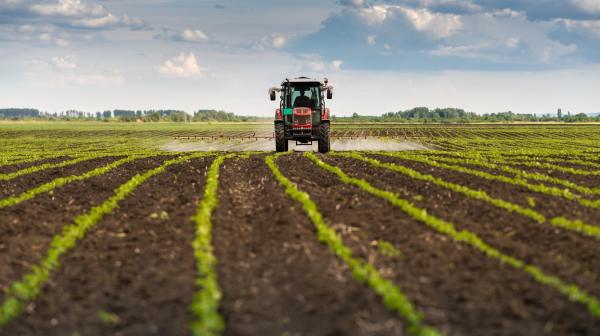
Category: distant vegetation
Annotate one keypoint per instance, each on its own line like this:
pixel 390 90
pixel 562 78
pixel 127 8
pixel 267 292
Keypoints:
pixel 126 115
pixel 455 115
pixel 417 114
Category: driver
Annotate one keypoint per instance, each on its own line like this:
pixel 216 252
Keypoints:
pixel 302 100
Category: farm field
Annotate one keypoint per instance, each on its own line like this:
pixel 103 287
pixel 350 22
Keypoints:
pixel 491 230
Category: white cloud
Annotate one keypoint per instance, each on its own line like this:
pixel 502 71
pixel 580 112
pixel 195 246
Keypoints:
pixel 589 26
pixel 108 21
pixel 69 8
pixel 336 64
pixel 467 51
pixel 69 13
pixel 183 65
pixel 371 39
pixel 554 50
pixel 63 63
pixel 194 35
pixel 110 79
pixel 62 43
pixel 276 40
pixel 437 25
pixel 186 35
pixel 589 6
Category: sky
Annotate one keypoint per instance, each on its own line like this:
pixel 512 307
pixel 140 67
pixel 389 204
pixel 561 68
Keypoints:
pixel 526 56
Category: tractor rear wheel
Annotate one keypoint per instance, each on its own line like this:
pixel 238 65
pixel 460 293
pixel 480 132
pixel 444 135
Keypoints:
pixel 281 144
pixel 324 138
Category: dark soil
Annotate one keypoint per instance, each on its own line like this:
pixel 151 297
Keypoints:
pixel 276 277
pixel 23 183
pixel 26 229
pixel 139 268
pixel 459 290
pixel 548 205
pixel 569 255
pixel 11 168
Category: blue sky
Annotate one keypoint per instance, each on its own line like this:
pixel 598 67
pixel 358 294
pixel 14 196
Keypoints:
pixel 528 56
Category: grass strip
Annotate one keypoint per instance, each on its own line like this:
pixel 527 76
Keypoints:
pixel 541 188
pixel 572 225
pixel 30 170
pixel 361 270
pixel 205 306
pixel 61 181
pixel 21 292
pixel 571 291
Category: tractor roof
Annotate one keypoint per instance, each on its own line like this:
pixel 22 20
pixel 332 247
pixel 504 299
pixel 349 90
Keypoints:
pixel 303 80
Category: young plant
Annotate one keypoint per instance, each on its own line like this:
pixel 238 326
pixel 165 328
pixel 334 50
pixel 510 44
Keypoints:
pixel 467 237
pixel 362 271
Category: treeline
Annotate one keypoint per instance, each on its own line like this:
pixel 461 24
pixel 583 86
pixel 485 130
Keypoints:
pixel 456 115
pixel 417 114
pixel 126 115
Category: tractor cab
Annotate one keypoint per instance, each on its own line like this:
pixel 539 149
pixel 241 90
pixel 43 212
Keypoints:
pixel 302 115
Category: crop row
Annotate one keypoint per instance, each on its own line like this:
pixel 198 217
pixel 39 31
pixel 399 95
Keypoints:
pixel 205 306
pixel 568 224
pixel 521 161
pixel 362 271
pixel 61 181
pixel 519 179
pixel 533 158
pixel 467 237
pixel 496 164
pixel 28 288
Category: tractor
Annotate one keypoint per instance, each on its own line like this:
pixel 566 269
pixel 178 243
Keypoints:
pixel 302 115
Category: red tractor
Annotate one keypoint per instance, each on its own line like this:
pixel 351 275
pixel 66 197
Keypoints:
pixel 302 115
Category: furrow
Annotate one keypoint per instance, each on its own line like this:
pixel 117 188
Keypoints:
pixel 571 291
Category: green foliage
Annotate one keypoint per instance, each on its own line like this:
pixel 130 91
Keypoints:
pixel 61 181
pixel 388 249
pixel 205 306
pixel 519 179
pixel 571 291
pixel 28 288
pixel 108 317
pixel 33 169
pixel 362 271
pixel 573 225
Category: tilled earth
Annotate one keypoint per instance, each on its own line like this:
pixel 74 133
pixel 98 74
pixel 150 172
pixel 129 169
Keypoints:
pixel 134 272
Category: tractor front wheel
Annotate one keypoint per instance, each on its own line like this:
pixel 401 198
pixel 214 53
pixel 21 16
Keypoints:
pixel 324 138
pixel 281 144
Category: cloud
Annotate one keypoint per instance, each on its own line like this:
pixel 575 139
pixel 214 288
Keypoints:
pixel 454 35
pixel 186 35
pixel 336 64
pixel 109 21
pixel 69 8
pixel 591 27
pixel 184 65
pixel 42 35
pixel 66 14
pixel 436 24
pixel 65 71
pixel 588 6
pixel 63 63
pixel 275 41
pixel 109 79
pixel 353 3
pixel 532 9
